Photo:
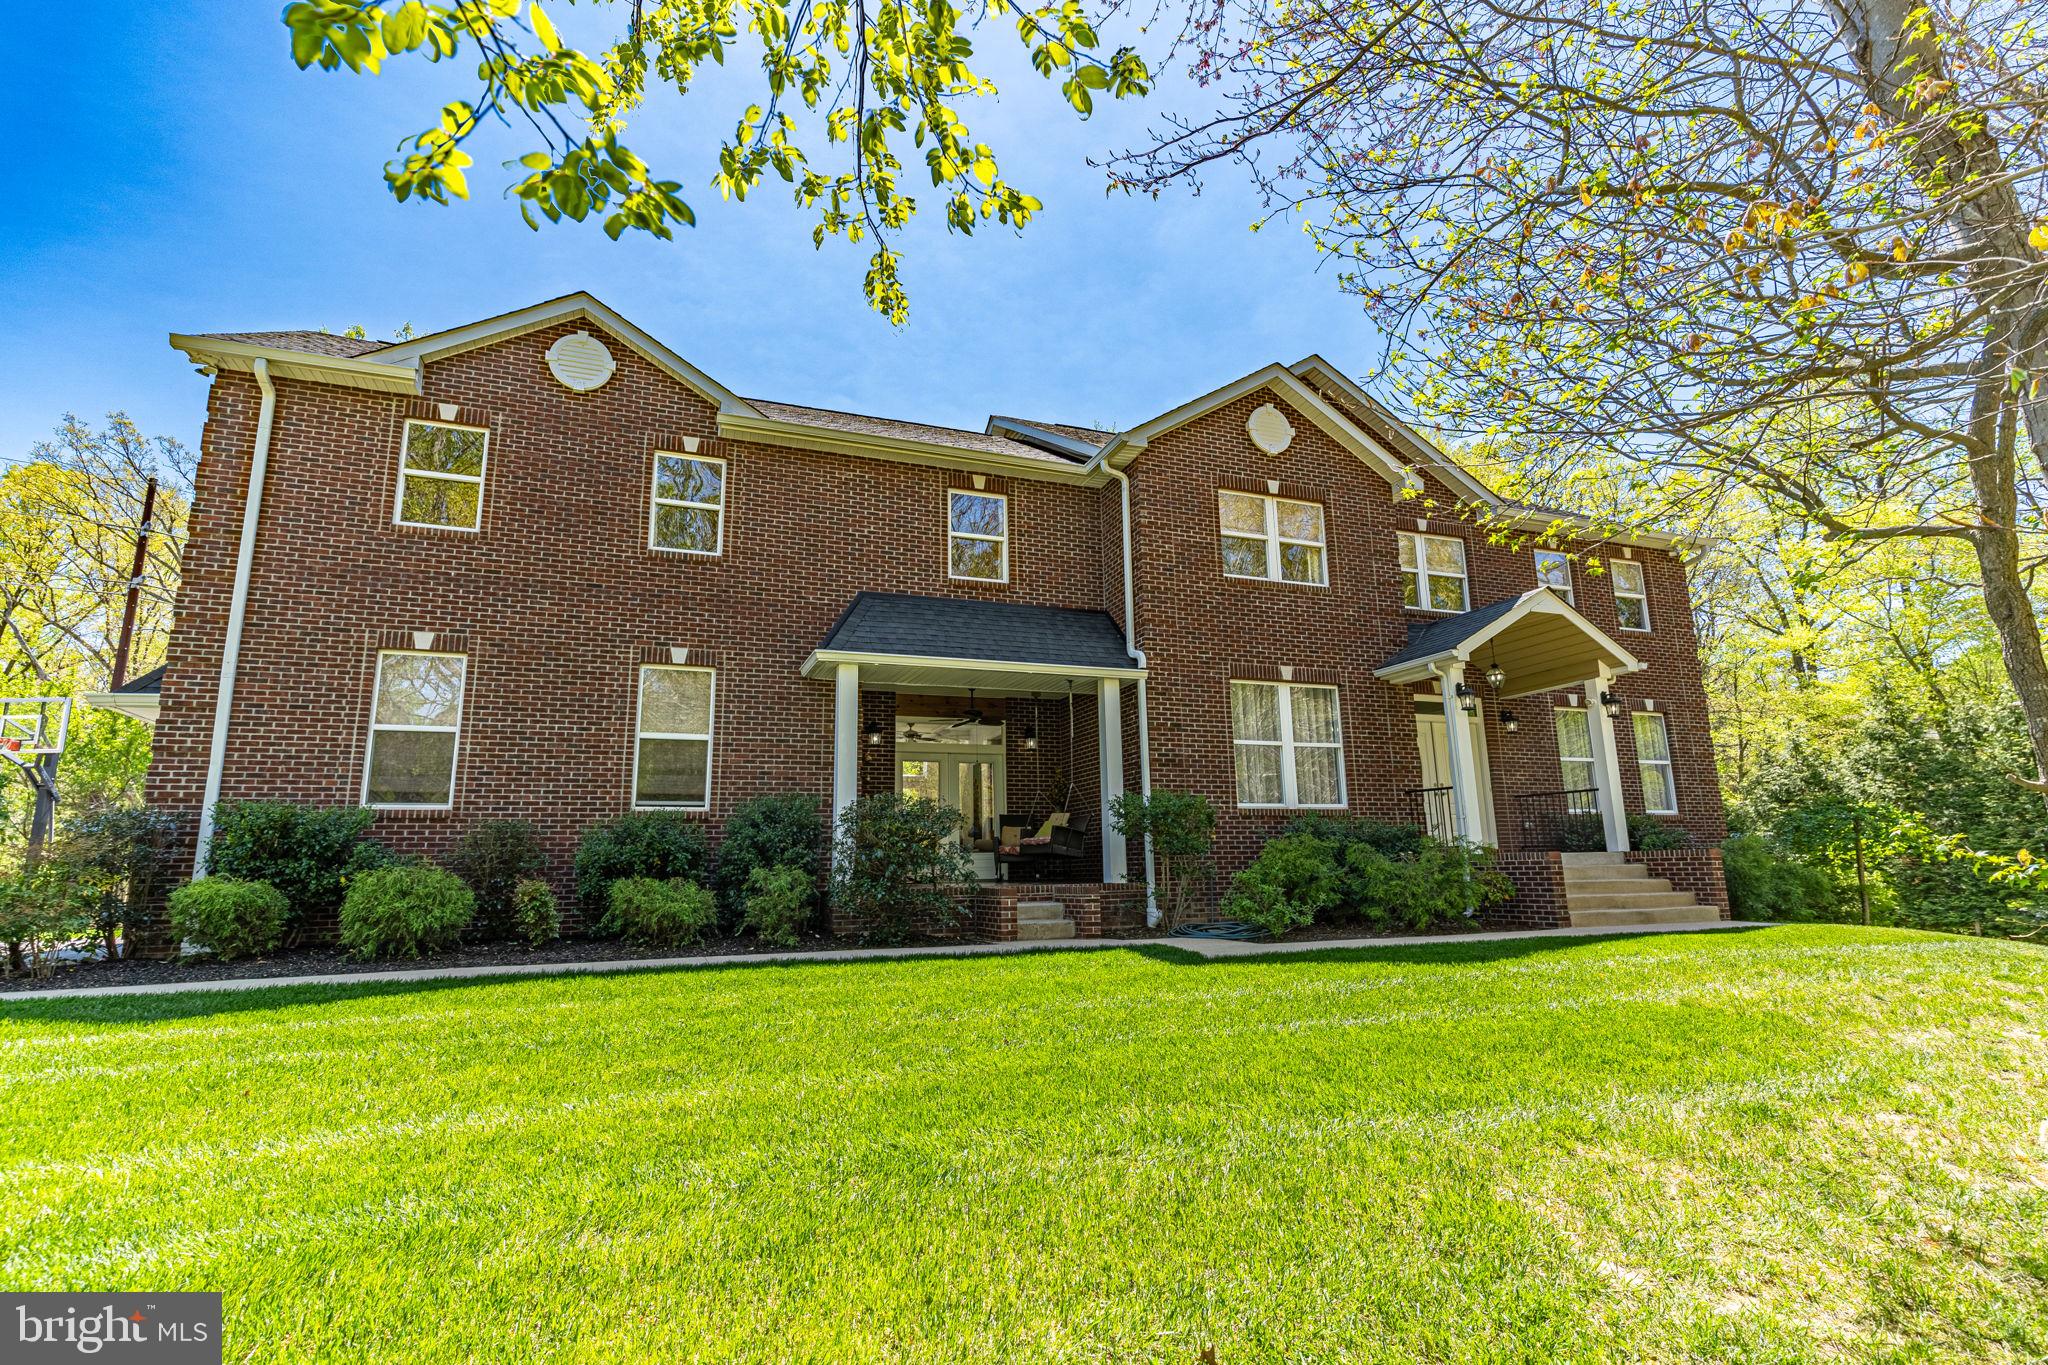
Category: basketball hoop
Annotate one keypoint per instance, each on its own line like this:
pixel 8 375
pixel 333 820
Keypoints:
pixel 32 735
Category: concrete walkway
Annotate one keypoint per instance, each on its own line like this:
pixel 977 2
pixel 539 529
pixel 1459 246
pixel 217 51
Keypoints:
pixel 1209 948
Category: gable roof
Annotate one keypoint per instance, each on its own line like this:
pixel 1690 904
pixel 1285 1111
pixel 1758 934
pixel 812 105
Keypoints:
pixel 1543 641
pixel 313 343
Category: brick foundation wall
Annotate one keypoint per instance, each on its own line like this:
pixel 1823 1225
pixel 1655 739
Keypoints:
pixel 1538 902
pixel 1695 871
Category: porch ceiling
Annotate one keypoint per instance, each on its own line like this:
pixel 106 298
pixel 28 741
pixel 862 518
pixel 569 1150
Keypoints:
pixel 1542 643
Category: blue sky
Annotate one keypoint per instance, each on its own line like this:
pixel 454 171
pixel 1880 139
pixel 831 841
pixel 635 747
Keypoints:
pixel 189 178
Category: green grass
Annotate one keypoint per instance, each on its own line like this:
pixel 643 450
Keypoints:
pixel 1807 1143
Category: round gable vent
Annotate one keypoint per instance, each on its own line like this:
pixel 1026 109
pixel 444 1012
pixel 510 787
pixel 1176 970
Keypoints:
pixel 581 362
pixel 1269 429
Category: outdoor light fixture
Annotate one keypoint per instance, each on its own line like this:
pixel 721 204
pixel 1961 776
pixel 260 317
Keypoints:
pixel 1510 722
pixel 1467 700
pixel 1031 735
pixel 1495 676
pixel 1611 704
pixel 872 733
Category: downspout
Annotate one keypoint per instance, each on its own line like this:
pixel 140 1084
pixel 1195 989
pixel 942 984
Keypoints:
pixel 238 604
pixel 1123 481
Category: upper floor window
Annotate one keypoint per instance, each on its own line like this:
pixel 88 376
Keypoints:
pixel 1631 598
pixel 1290 749
pixel 415 718
pixel 1575 749
pixel 441 476
pixel 689 505
pixel 1280 539
pixel 672 749
pixel 978 536
pixel 1653 758
pixel 1433 572
pixel 1554 571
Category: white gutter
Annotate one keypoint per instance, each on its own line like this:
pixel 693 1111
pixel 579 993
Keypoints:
pixel 238 604
pixel 1123 481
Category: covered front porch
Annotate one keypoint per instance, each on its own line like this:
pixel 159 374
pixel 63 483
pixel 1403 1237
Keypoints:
pixel 1468 671
pixel 1015 716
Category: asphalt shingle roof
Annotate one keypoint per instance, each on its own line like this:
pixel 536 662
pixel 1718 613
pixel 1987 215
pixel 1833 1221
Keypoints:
pixel 1450 632
pixel 316 343
pixel 150 682
pixel 864 425
pixel 962 628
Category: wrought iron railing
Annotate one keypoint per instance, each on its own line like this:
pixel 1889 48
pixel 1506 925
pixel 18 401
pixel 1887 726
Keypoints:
pixel 1559 822
pixel 1433 810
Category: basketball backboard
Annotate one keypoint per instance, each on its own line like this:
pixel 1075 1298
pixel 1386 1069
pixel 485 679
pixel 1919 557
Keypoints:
pixel 33 726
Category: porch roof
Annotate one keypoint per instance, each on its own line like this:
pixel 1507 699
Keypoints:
pixel 905 640
pixel 1538 638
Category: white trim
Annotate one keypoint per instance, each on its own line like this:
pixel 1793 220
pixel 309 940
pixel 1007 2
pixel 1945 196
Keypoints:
pixel 1001 542
pixel 1567 592
pixel 1423 573
pixel 1290 793
pixel 405 450
pixel 1643 765
pixel 845 745
pixel 454 755
pixel 1642 594
pixel 640 734
pixel 1536 601
pixel 1273 540
pixel 656 502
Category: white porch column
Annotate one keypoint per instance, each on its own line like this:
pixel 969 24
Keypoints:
pixel 1606 762
pixel 1467 812
pixel 845 740
pixel 1109 737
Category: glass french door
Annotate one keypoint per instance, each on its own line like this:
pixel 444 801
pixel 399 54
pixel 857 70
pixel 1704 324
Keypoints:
pixel 971 784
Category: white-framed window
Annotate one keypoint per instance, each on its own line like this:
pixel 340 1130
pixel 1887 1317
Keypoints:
pixel 1433 572
pixel 672 738
pixel 688 516
pixel 1631 597
pixel 1278 539
pixel 977 535
pixel 1554 571
pixel 415 723
pixel 1653 757
pixel 1575 749
pixel 441 476
pixel 1289 743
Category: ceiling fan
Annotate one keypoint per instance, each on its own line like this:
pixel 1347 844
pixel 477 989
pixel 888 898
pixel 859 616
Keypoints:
pixel 974 714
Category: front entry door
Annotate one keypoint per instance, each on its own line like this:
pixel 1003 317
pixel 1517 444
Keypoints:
pixel 970 782
pixel 1432 740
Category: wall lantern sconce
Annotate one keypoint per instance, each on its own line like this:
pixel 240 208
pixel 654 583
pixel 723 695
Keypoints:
pixel 1611 704
pixel 1495 676
pixel 1468 701
pixel 871 733
pixel 1031 735
pixel 1510 722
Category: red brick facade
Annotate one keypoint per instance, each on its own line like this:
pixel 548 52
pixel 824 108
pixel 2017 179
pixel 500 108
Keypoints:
pixel 556 599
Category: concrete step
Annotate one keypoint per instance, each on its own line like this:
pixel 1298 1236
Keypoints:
pixel 1575 887
pixel 1633 900
pixel 1594 860
pixel 1041 911
pixel 1675 914
pixel 1604 872
pixel 1038 930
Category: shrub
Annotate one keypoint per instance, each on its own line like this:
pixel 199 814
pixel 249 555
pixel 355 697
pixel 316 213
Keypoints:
pixel 659 844
pixel 768 831
pixel 495 857
pixel 668 912
pixel 534 916
pixel 41 912
pixel 1651 835
pixel 1342 831
pixel 897 856
pixel 778 903
pixel 1441 883
pixel 118 857
pixel 1763 885
pixel 1181 828
pixel 309 853
pixel 1293 880
pixel 403 911
pixel 229 918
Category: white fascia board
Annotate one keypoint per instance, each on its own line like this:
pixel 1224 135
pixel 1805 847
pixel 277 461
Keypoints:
pixel 352 372
pixel 823 662
pixel 569 308
pixel 1535 602
pixel 141 705
pixel 802 436
pixel 1299 395
pixel 1004 426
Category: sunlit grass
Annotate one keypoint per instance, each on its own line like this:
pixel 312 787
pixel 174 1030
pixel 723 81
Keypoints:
pixel 1797 1143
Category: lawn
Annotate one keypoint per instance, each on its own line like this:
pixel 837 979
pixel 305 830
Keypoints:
pixel 1801 1143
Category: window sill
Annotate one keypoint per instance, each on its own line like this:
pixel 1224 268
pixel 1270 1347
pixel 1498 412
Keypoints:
pixel 1436 611
pixel 412 813
pixel 1342 805
pixel 1273 582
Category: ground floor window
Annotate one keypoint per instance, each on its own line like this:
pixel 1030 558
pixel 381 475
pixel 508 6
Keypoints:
pixel 672 755
pixel 1653 756
pixel 415 720
pixel 1574 749
pixel 1289 745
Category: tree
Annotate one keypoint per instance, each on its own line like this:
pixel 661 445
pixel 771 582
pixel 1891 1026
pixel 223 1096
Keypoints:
pixel 851 77
pixel 1663 250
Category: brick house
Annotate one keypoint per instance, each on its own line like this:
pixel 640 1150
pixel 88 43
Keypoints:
pixel 542 567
